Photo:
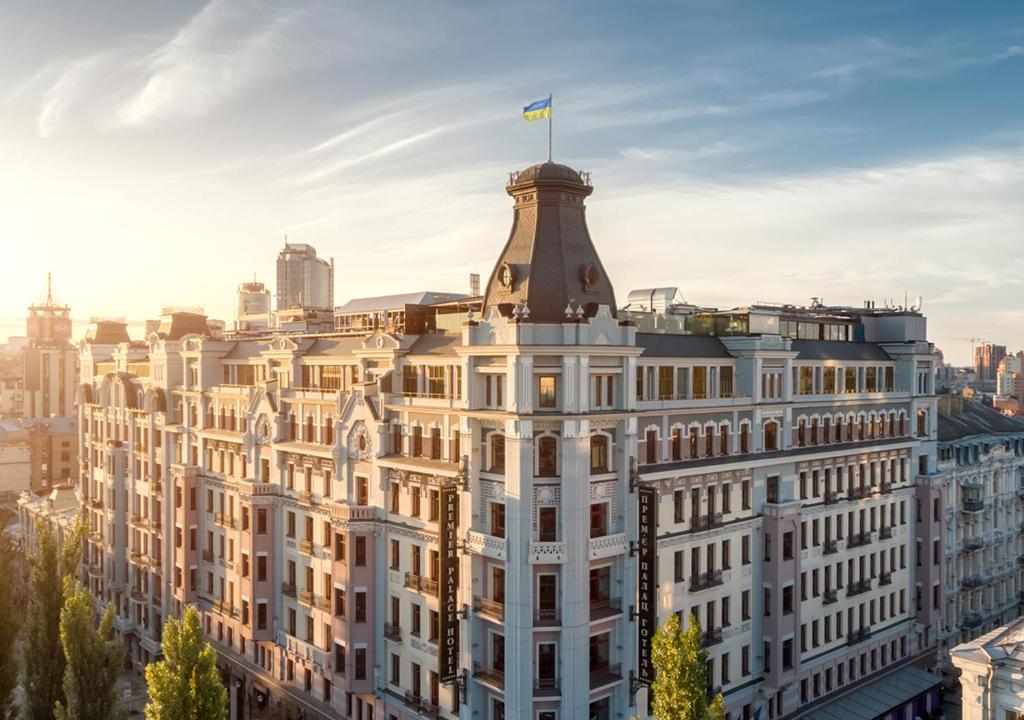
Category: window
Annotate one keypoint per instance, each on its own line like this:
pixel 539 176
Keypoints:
pixel 361 551
pixel 547 524
pixel 498 519
pixel 360 607
pixel 362 491
pixel 598 519
pixel 547 391
pixel 497 453
pixel 598 453
pixel 547 454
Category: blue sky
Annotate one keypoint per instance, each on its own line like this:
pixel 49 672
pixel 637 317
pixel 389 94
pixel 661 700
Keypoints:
pixel 157 153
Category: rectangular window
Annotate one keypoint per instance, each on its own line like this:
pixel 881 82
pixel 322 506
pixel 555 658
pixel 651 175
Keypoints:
pixel 547 391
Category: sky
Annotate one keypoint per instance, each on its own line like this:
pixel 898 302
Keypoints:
pixel 156 153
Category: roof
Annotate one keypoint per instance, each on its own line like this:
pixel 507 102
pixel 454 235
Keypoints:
pixel 681 346
pixel 391 302
pixel 878 698
pixel 976 419
pixel 436 344
pixel 334 346
pixel 999 644
pixel 839 350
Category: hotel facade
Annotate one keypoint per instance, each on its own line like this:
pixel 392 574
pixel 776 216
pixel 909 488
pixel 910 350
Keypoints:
pixel 446 523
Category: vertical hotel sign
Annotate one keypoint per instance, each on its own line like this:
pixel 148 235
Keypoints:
pixel 647 617
pixel 448 655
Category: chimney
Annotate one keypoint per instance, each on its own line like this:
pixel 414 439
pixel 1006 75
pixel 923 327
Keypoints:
pixel 474 284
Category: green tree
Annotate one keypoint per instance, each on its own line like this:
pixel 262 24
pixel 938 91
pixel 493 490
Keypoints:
pixel 680 680
pixel 185 685
pixel 93 659
pixel 9 624
pixel 43 657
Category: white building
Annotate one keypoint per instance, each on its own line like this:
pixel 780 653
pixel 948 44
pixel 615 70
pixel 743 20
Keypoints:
pixel 992 674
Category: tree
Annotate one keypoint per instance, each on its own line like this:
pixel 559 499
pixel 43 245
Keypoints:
pixel 680 681
pixel 93 659
pixel 43 656
pixel 185 685
pixel 9 624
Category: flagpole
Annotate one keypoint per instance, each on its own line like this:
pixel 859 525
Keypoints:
pixel 551 111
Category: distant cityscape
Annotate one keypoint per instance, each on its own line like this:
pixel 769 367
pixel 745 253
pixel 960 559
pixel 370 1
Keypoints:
pixel 430 504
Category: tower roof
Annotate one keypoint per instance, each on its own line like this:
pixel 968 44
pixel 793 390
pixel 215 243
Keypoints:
pixel 549 262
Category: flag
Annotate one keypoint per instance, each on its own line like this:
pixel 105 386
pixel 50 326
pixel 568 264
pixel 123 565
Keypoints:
pixel 538 110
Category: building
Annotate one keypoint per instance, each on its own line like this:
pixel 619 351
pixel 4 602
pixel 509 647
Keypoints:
pixel 303 279
pixel 15 458
pixel 986 362
pixel 400 523
pixel 49 361
pixel 992 674
pixel 1009 397
pixel 253 312
pixel 980 476
pixel 410 313
pixel 59 508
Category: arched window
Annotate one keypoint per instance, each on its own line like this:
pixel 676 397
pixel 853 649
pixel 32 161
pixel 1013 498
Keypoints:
pixel 723 439
pixel 497 453
pixel 310 435
pixel 801 432
pixel 709 441
pixel 547 456
pixel 771 436
pixel 598 453
pixel 745 437
pixel 193 416
pixel 922 422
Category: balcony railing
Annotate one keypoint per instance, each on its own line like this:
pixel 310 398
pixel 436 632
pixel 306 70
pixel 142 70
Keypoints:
pixel 885 488
pixel 973 582
pixel 831 546
pixel 96 503
pixel 706 522
pixel 224 520
pixel 208 556
pixel 288 589
pixel 885 532
pixel 711 637
pixel 489 608
pixel 857 636
pixel 830 597
pixel 602 677
pixel 858 492
pixel 306 497
pixel 546 617
pixel 393 632
pixel 421 583
pixel 703 581
pixel 858 586
pixel 305 547
pixel 306 597
pixel 489 675
pixel 974 543
pixel 973 506
pixel 858 539
pixel 884 578
pixel 831 497
pixel 602 608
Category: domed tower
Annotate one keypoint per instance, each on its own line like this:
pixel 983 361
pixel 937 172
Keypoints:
pixel 549 262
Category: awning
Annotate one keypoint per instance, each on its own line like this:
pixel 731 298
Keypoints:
pixel 880 697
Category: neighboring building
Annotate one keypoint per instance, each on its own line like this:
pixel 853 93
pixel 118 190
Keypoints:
pixel 11 392
pixel 303 279
pixel 992 674
pixel 1009 398
pixel 986 362
pixel 15 458
pixel 303 490
pixel 980 479
pixel 59 508
pixel 253 312
pixel 403 314
pixel 50 361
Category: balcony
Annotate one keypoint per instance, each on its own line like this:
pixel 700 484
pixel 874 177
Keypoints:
pixel 305 547
pixel 706 580
pixel 137 521
pixel 288 589
pixel 488 608
pixel 885 532
pixel 971 621
pixel 1020 559
pixel 604 608
pixel 546 617
pixel 974 506
pixel 225 521
pixel 489 676
pixel 208 556
pixel 421 583
pixel 885 488
pixel 138 596
pixel 857 587
pixel 420 705
pixel 307 598
pixel 973 582
pixel 96 571
pixel 603 677
pixel 831 546
pixel 393 632
pixel 96 503
pixel 323 603
pixel 858 636
pixel 831 497
pixel 857 493
pixel 546 687
pixel 858 539
pixel 974 543
pixel 711 637
pixel 306 497
pixel 224 607
pixel 96 536
pixel 884 578
pixel 706 522
pixel 830 597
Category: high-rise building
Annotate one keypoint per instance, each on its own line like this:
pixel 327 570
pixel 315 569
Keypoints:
pixel 986 361
pixel 253 311
pixel 488 516
pixel 303 279
pixel 50 361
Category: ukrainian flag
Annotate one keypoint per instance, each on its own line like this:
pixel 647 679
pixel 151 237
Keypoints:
pixel 538 110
